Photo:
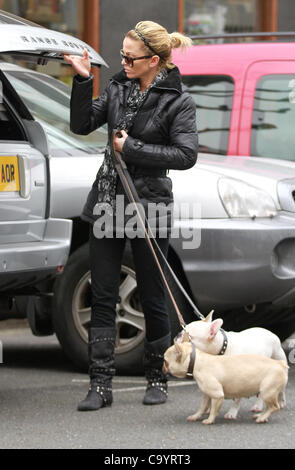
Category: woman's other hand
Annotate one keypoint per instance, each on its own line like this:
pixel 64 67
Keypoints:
pixel 120 141
pixel 81 65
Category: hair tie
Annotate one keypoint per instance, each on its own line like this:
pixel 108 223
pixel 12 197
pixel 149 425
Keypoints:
pixel 145 41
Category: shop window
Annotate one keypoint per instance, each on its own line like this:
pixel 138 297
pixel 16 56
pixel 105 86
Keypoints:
pixel 274 117
pixel 65 16
pixel 219 16
pixel 60 15
pixel 213 96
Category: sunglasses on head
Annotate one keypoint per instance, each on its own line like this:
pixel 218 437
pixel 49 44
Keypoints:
pixel 130 60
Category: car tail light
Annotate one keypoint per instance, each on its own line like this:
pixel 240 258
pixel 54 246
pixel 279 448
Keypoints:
pixel 59 269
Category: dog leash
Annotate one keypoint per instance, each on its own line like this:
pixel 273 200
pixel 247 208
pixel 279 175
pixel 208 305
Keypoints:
pixel 133 198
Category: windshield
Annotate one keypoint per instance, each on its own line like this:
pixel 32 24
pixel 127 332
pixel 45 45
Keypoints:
pixel 48 99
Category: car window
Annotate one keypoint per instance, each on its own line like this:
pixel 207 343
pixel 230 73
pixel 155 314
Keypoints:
pixel 49 102
pixel 273 118
pixel 213 95
pixel 9 128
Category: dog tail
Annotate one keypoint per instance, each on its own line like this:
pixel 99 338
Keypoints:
pixel 284 364
pixel 279 353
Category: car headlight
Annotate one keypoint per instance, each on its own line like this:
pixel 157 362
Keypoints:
pixel 243 200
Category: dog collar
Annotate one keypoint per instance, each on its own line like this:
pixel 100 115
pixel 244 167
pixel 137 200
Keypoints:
pixel 225 343
pixel 189 374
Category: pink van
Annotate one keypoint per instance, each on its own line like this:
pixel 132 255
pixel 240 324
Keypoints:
pixel 245 95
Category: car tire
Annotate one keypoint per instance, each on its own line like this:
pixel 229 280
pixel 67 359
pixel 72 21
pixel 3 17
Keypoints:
pixel 283 330
pixel 71 313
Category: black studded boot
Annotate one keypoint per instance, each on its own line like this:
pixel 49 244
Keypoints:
pixel 157 390
pixel 101 349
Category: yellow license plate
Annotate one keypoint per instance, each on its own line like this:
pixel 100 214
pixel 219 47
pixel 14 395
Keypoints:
pixel 9 174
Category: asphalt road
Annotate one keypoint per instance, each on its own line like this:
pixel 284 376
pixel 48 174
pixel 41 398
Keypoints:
pixel 39 390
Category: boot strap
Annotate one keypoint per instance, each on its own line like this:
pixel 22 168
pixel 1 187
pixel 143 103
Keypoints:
pixel 101 340
pixel 159 386
pixel 103 391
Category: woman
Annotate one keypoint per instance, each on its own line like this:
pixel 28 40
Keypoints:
pixel 157 119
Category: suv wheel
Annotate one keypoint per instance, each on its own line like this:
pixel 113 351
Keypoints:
pixel 71 315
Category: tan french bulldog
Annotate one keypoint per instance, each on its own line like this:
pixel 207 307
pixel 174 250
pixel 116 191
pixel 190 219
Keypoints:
pixel 220 377
pixel 207 335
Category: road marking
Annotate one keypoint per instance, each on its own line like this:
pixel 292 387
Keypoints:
pixel 135 389
pixel 115 381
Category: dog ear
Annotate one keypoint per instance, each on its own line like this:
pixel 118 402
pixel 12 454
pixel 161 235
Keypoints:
pixel 186 337
pixel 214 328
pixel 178 350
pixel 208 319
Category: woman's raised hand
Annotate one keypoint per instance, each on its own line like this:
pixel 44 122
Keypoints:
pixel 81 65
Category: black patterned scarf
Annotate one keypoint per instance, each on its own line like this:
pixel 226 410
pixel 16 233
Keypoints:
pixel 107 175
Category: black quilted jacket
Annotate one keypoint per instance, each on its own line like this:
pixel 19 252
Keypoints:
pixel 163 137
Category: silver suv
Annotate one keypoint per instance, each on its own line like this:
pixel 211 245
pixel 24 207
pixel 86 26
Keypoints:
pixel 233 245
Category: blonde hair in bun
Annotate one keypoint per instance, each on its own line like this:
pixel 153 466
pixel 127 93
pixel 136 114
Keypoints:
pixel 178 40
pixel 156 39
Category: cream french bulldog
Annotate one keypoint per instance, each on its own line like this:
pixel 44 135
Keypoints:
pixel 208 337
pixel 220 377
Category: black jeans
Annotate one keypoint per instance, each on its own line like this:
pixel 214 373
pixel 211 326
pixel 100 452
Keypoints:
pixel 105 264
